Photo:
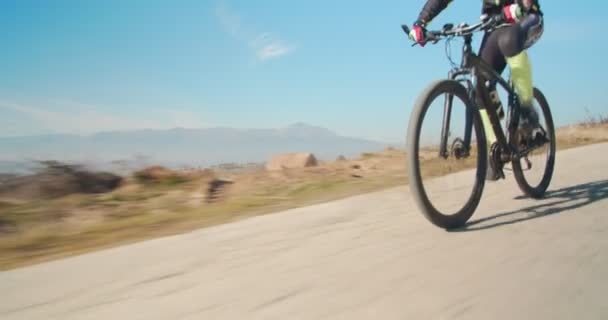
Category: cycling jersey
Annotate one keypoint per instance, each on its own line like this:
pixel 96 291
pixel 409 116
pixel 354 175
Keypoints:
pixel 433 7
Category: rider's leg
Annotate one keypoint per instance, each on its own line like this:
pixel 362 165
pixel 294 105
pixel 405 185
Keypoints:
pixel 513 43
pixel 490 54
pixel 504 45
pixel 521 75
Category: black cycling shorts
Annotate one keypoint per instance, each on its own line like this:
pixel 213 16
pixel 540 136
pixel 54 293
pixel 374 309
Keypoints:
pixel 510 40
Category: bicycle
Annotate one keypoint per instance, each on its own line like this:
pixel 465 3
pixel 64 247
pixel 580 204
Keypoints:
pixel 510 147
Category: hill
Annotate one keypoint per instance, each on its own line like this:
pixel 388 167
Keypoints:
pixel 180 147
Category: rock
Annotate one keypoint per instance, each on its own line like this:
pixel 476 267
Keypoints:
pixel 216 189
pixel 57 180
pixel 154 173
pixel 291 161
pixel 97 182
pixel 158 174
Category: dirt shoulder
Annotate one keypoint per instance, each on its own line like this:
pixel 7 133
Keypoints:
pixel 36 230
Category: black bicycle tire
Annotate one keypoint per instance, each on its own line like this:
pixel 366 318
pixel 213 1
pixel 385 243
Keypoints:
pixel 538 191
pixel 437 218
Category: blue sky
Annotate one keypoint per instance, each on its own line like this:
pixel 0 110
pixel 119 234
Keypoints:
pixel 75 66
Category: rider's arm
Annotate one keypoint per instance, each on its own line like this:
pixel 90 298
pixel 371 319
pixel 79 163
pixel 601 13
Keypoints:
pixel 431 9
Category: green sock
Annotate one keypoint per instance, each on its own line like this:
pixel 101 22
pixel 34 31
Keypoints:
pixel 521 75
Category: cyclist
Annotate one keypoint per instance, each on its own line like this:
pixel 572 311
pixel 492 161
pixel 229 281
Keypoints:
pixel 521 28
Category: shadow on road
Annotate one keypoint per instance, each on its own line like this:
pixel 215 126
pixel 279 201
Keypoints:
pixel 561 200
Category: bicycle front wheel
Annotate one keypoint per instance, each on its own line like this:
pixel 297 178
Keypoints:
pixel 447 187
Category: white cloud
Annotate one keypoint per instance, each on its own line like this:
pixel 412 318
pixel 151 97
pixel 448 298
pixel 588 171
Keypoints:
pixel 265 45
pixel 273 50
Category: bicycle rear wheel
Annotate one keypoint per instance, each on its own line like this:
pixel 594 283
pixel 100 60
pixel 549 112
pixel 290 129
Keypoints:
pixel 534 172
pixel 447 188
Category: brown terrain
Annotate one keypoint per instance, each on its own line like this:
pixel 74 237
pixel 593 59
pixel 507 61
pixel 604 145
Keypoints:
pixel 66 210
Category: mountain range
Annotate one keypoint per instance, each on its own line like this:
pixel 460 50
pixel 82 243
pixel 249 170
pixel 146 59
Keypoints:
pixel 180 147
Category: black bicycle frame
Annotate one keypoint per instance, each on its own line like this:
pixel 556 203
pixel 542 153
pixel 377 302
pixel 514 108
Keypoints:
pixel 471 70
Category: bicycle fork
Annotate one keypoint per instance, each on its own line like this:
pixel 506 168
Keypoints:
pixel 490 126
pixel 447 116
pixel 445 128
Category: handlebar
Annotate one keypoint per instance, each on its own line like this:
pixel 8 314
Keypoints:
pixel 487 22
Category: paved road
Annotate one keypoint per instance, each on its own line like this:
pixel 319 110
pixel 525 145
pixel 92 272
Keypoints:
pixel 367 257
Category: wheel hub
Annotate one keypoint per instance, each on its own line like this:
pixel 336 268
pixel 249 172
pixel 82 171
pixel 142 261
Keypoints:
pixel 459 151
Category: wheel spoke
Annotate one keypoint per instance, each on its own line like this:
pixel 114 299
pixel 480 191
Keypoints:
pixel 533 177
